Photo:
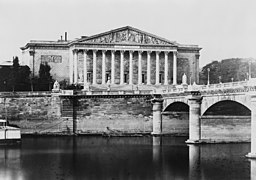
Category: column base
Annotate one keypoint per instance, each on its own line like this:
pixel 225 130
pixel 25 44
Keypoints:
pixel 156 134
pixel 191 141
pixel 251 155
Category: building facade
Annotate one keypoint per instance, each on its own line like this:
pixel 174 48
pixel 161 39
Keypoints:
pixel 123 56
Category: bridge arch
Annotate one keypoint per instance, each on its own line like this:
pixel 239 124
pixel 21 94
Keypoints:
pixel 227 108
pixel 209 101
pixel 176 119
pixel 177 106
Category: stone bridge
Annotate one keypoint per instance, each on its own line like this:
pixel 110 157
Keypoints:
pixel 201 102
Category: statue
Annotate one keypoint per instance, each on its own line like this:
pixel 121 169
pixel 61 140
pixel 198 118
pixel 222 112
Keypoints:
pixel 108 84
pixel 56 86
pixel 184 79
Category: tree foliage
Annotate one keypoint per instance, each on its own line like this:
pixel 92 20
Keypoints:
pixel 234 69
pixel 44 82
pixel 15 77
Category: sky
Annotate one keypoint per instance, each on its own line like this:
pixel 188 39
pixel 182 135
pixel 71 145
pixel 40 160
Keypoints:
pixel 223 28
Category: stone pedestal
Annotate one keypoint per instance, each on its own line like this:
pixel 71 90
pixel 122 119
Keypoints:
pixel 157 116
pixel 194 101
pixel 252 154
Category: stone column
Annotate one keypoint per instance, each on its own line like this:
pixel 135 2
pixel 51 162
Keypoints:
pixel 157 116
pixel 121 67
pixel 174 68
pixel 139 68
pixel 148 68
pixel 166 68
pixel 112 67
pixel 71 67
pixel 94 68
pixel 252 154
pixel 130 67
pixel 194 101
pixel 75 66
pixel 85 70
pixel 103 67
pixel 157 67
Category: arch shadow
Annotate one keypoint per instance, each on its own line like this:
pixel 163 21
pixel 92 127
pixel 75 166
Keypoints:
pixel 177 107
pixel 227 108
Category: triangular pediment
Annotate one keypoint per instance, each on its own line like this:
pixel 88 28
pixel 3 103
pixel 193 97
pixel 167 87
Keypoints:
pixel 126 35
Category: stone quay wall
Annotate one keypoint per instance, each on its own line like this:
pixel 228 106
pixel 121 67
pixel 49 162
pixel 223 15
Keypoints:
pixel 47 113
pixel 108 114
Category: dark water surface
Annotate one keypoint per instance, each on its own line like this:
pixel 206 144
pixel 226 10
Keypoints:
pixel 124 158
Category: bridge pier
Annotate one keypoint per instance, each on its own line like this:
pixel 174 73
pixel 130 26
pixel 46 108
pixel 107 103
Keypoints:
pixel 252 154
pixel 157 116
pixel 194 101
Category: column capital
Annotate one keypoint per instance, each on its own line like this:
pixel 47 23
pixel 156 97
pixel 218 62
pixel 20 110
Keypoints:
pixel 157 52
pixel 166 52
pixel 94 50
pixel 149 52
pixel 75 50
pixel 140 52
pixel 122 51
pixel 131 51
pixel 85 50
pixel 175 53
pixel 103 51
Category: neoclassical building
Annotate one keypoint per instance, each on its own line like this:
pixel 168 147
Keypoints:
pixel 124 56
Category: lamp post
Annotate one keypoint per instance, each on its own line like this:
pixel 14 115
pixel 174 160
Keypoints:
pixel 220 79
pixel 250 70
pixel 232 79
pixel 190 76
pixel 208 81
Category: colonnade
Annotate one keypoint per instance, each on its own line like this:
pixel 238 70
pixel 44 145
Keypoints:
pixel 74 66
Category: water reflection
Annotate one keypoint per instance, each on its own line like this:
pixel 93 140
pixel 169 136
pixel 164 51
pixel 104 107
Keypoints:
pixel 10 163
pixel 194 162
pixel 157 144
pixel 124 158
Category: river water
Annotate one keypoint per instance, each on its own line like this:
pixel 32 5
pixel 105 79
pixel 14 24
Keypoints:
pixel 124 158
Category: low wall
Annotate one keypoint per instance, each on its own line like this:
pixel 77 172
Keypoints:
pixel 226 128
